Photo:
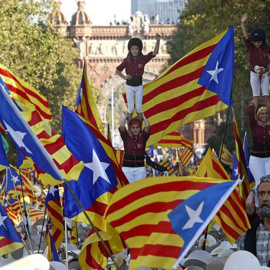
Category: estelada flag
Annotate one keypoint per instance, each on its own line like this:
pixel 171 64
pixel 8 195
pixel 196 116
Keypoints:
pixel 196 86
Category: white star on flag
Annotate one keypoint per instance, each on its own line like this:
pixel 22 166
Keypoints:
pixel 236 171
pixel 98 168
pixel 52 190
pixel 2 219
pixel 14 179
pixel 17 136
pixel 194 216
pixel 215 72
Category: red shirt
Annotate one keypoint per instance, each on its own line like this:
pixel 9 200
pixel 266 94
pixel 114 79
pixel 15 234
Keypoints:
pixel 134 147
pixel 260 135
pixel 135 68
pixel 257 57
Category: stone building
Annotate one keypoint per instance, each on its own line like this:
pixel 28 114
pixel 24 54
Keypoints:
pixel 104 48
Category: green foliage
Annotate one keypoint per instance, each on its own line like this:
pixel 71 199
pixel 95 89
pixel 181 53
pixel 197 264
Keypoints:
pixel 204 19
pixel 32 49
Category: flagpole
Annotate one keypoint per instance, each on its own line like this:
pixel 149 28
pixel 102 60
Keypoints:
pixel 112 105
pixel 91 223
pixel 66 242
pixel 56 170
pixel 30 132
pixel 41 234
pixel 25 225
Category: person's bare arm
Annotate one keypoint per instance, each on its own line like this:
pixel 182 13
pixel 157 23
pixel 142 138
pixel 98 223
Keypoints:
pixel 120 74
pixel 158 37
pixel 243 19
pixel 146 124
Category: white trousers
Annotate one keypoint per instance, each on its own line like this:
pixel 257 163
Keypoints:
pixel 259 167
pixel 134 94
pixel 134 174
pixel 256 85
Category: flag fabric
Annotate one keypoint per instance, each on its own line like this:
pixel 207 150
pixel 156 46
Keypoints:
pixel 86 105
pixel 169 166
pixel 3 157
pixel 196 86
pixel 139 213
pixel 241 160
pixel 175 139
pixel 120 157
pixel 52 251
pixel 211 167
pixel 100 165
pixel 226 157
pixel 93 254
pixel 74 233
pixel 232 217
pixel 247 155
pixel 22 135
pixel 185 156
pixel 21 91
pixel 55 213
pixel 100 178
pixel 9 237
pixel 192 216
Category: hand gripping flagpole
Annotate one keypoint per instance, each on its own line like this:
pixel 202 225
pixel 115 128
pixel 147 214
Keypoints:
pixel 56 170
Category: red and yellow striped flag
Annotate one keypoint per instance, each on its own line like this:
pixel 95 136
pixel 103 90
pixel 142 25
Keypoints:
pixel 86 105
pixel 139 213
pixel 175 139
pixel 169 166
pixel 226 157
pixel 25 93
pixel 176 98
pixel 232 216
pixel 185 156
pixel 241 160
pixel 55 213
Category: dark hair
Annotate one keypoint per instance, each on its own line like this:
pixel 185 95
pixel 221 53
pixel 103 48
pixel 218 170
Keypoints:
pixel 258 34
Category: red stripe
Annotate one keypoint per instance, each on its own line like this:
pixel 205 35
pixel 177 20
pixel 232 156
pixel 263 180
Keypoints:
pixel 180 186
pixel 170 141
pixel 98 207
pixel 197 107
pixel 155 250
pixel 191 58
pixel 175 102
pixel 219 170
pixel 148 229
pixel 89 259
pixel 28 91
pixel 4 242
pixel 55 146
pixel 174 83
pixel 157 207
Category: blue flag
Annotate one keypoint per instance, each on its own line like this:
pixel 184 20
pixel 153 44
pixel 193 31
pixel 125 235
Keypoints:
pixel 217 75
pixel 12 179
pixel 192 216
pixel 22 135
pixel 3 156
pixel 7 229
pixel 98 176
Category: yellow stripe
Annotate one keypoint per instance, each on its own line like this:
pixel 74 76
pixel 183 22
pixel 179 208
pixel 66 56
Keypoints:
pixel 195 115
pixel 154 239
pixel 152 261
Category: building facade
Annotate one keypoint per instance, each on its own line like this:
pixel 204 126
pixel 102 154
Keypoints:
pixel 103 48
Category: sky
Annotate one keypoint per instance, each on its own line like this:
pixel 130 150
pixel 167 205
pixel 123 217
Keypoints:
pixel 101 12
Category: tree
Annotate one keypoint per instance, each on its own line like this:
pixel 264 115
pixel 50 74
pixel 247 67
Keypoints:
pixel 32 49
pixel 204 19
